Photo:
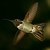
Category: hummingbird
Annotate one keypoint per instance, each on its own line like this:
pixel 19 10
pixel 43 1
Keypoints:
pixel 26 26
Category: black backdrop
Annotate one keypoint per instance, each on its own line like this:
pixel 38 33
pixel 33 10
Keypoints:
pixel 17 8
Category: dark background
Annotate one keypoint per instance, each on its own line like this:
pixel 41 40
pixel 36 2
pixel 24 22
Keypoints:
pixel 17 8
pixel 13 9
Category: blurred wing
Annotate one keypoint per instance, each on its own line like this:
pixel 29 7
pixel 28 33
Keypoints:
pixel 31 13
pixel 18 38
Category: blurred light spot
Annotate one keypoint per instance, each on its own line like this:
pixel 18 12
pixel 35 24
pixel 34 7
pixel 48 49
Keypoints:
pixel 47 48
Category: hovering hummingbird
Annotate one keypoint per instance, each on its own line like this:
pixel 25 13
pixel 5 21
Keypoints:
pixel 25 26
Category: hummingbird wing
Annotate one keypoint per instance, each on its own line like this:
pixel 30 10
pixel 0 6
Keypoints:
pixel 18 38
pixel 31 13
